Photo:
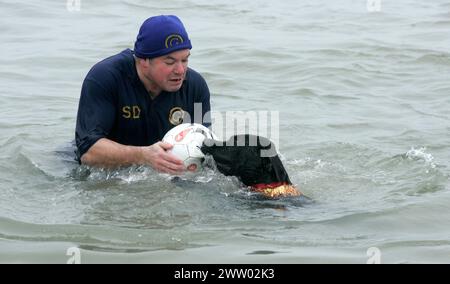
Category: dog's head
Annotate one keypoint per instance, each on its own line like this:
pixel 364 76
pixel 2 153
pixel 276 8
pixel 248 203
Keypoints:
pixel 254 160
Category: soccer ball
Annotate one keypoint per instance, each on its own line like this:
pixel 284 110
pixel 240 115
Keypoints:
pixel 187 139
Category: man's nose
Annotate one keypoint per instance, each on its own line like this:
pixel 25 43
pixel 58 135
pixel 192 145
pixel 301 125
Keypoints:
pixel 179 68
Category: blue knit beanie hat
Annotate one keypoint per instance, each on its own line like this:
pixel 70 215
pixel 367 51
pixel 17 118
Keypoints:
pixel 161 35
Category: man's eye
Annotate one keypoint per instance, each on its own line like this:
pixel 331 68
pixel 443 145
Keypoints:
pixel 170 62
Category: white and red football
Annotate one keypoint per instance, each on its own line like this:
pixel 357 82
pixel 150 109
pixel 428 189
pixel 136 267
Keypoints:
pixel 187 139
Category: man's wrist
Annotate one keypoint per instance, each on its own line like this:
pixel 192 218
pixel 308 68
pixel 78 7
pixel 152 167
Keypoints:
pixel 135 155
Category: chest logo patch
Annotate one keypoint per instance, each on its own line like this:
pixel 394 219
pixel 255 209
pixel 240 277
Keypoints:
pixel 131 112
pixel 176 116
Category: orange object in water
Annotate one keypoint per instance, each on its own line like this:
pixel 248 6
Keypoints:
pixel 275 190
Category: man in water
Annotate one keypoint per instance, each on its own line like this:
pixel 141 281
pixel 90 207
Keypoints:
pixel 130 100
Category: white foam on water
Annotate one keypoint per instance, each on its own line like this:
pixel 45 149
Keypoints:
pixel 421 154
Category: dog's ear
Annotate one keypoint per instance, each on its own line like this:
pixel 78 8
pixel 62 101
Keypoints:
pixel 266 147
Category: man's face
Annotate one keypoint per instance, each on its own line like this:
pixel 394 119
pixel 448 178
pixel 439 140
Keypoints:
pixel 168 72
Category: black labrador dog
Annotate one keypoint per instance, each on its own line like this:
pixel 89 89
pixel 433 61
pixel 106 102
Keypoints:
pixel 254 160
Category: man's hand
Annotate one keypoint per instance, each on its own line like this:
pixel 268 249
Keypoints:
pixel 157 156
pixel 109 154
